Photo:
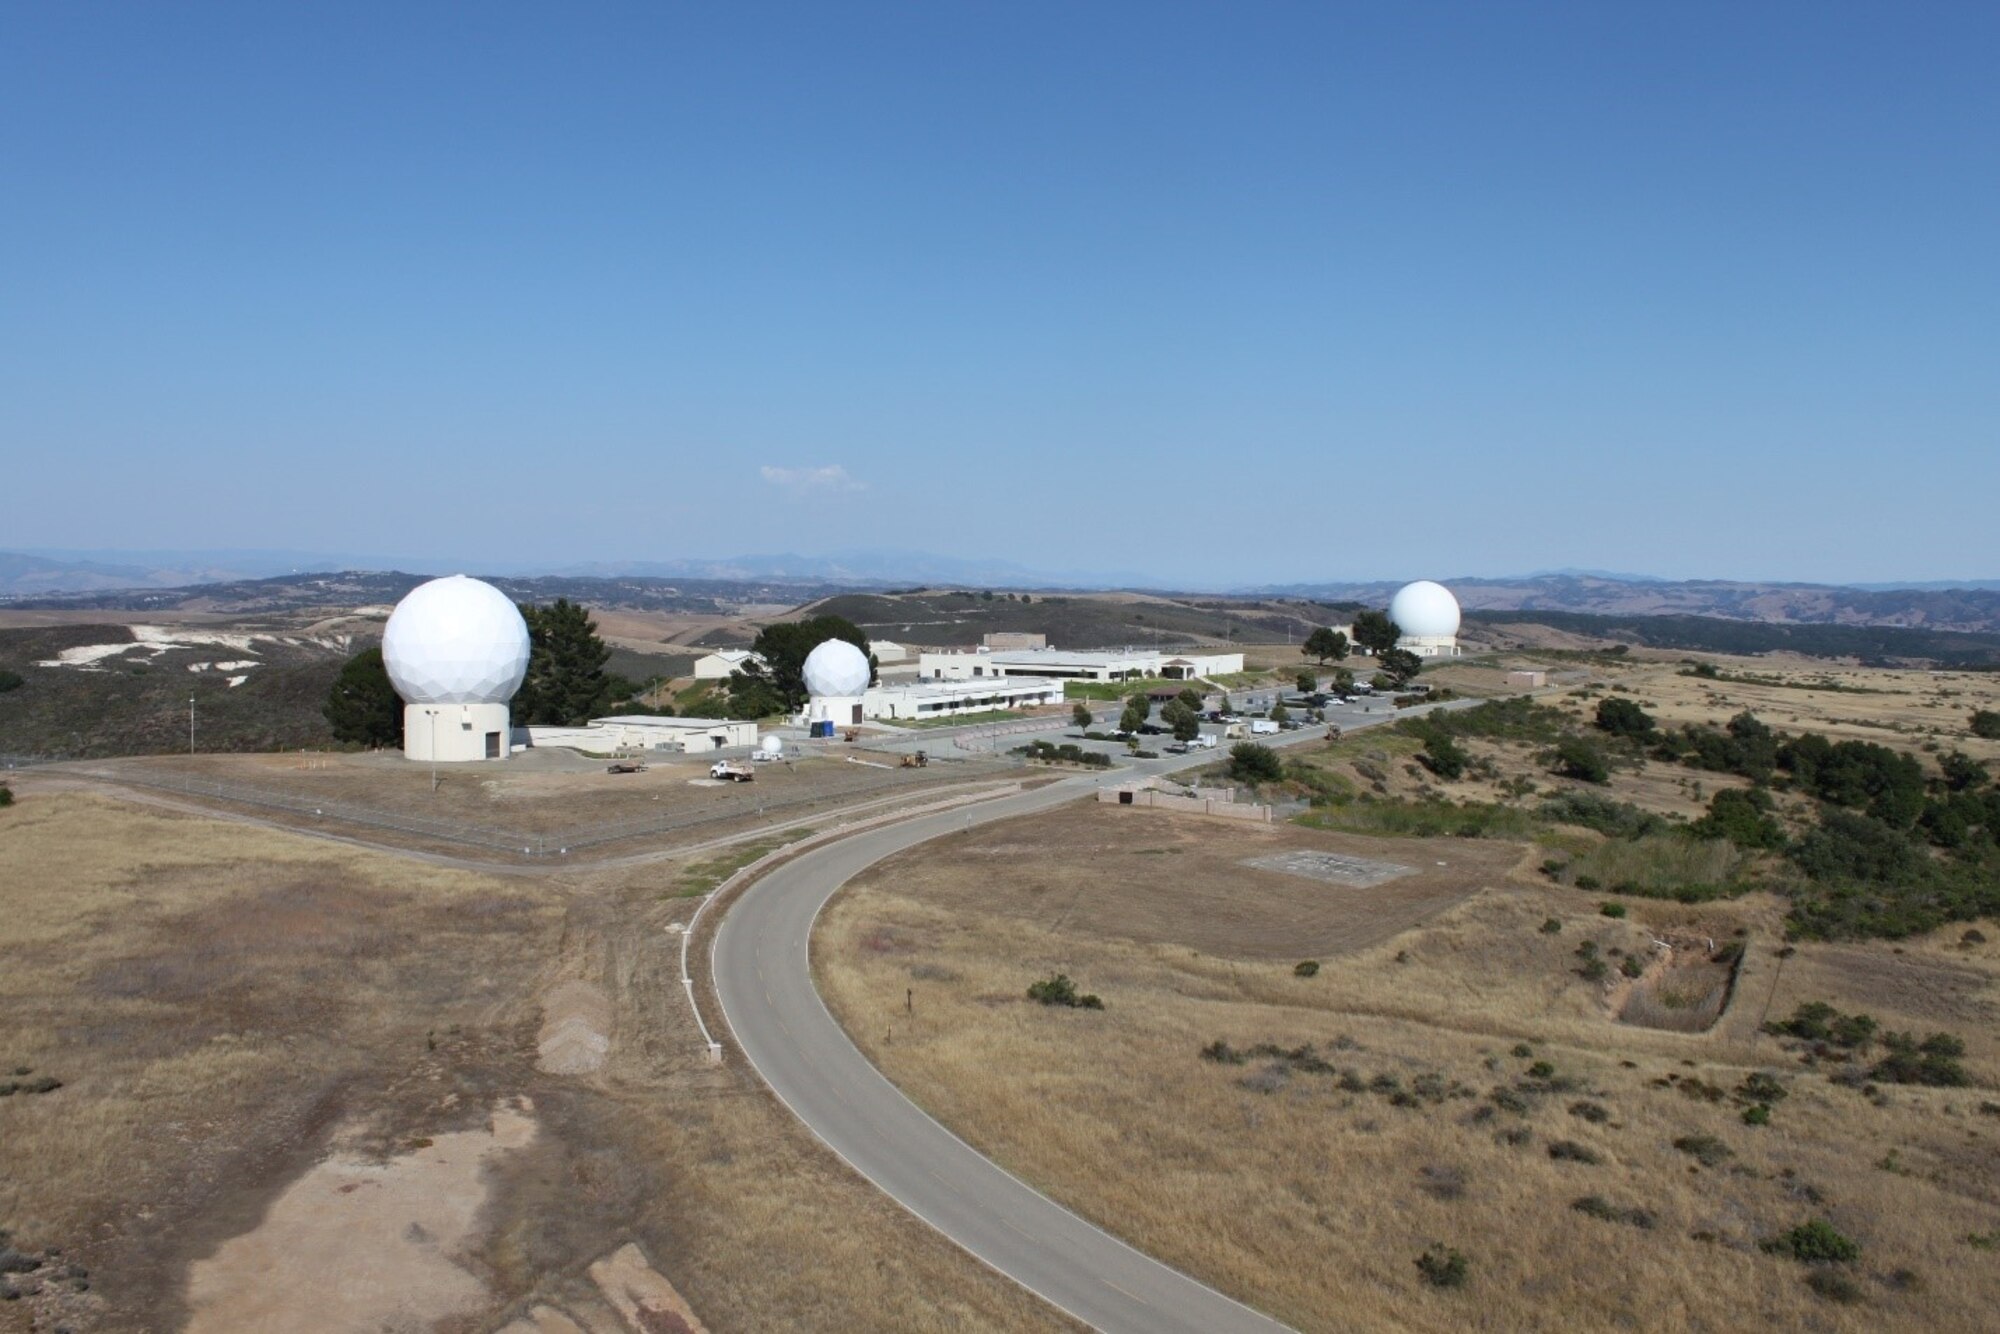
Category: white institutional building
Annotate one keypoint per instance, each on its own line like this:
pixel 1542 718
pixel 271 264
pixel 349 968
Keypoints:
pixel 1076 664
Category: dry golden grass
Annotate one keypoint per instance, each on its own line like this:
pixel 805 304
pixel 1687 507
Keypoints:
pixel 224 1002
pixel 1312 1200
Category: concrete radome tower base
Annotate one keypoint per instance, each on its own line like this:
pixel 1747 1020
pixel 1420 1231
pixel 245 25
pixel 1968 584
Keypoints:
pixel 459 732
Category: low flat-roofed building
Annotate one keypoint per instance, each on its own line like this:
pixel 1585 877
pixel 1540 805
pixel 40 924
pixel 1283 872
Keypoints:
pixel 604 736
pixel 888 651
pixel 1076 664
pixel 723 663
pixel 917 700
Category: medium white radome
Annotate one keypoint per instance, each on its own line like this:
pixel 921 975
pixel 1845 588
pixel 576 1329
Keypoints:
pixel 772 745
pixel 1425 610
pixel 836 669
pixel 455 640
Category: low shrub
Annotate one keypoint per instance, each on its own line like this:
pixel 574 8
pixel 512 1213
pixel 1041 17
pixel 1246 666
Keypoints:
pixel 1569 1151
pixel 1552 926
pixel 1309 968
pixel 1812 1243
pixel 1599 1207
pixel 1757 1115
pixel 1057 989
pixel 1705 1149
pixel 1934 1061
pixel 1611 908
pixel 1592 1112
pixel 1594 810
pixel 1443 1267
pixel 1835 1286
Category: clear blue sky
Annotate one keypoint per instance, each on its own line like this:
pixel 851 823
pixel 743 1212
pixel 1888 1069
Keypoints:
pixel 1227 292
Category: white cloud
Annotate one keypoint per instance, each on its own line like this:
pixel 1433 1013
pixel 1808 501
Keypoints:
pixel 811 481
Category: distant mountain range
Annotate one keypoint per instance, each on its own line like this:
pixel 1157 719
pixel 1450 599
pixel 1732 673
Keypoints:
pixel 45 573
pixel 248 579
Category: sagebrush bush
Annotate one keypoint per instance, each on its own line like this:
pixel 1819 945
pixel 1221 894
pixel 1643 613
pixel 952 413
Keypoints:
pixel 1443 1267
pixel 1814 1242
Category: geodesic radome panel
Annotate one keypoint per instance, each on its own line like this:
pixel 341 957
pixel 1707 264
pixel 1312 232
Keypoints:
pixel 836 668
pixel 455 640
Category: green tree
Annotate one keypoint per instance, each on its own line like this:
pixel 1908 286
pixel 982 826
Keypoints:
pixel 1279 712
pixel 1081 716
pixel 1306 682
pixel 1986 723
pixel 1374 631
pixel 1399 665
pixel 1579 757
pixel 10 681
pixel 1192 698
pixel 1743 816
pixel 781 674
pixel 566 685
pixel 1343 682
pixel 362 707
pixel 1137 711
pixel 1443 755
pixel 1325 645
pixel 1184 721
pixel 1252 763
pixel 1624 718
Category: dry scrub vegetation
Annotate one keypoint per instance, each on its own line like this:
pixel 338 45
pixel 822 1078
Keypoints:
pixel 1300 1141
pixel 226 1006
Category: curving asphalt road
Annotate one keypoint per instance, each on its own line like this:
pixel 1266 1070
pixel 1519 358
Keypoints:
pixel 763 977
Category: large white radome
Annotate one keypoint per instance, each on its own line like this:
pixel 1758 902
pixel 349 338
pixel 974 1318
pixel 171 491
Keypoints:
pixel 836 669
pixel 1425 610
pixel 455 640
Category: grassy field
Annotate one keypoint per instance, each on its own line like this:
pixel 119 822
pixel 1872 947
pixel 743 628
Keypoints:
pixel 224 1007
pixel 1455 1081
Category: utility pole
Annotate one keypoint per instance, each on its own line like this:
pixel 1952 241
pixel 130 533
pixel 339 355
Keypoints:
pixel 432 714
pixel 190 722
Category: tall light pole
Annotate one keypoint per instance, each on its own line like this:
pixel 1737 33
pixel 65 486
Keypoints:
pixel 433 715
pixel 190 722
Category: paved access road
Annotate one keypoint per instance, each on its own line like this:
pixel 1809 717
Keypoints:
pixel 764 979
pixel 763 976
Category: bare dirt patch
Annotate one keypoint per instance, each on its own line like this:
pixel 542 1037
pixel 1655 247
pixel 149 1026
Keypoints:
pixel 361 1243
pixel 1156 877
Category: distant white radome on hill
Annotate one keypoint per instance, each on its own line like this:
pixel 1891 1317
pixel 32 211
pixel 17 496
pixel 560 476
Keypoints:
pixel 1428 616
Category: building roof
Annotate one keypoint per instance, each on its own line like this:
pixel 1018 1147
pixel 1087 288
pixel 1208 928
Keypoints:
pixel 667 721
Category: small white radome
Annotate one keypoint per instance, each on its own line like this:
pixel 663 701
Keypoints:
pixel 836 669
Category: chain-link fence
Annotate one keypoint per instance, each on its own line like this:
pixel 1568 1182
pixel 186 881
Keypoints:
pixel 745 802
